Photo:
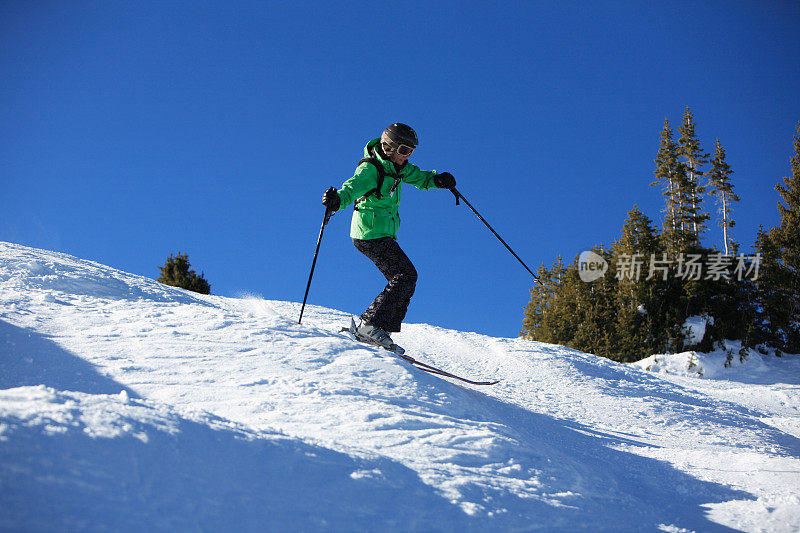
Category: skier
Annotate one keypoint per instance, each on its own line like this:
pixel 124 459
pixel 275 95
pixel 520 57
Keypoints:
pixel 374 190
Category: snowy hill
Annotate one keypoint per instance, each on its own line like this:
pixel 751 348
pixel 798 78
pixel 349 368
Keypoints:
pixel 126 404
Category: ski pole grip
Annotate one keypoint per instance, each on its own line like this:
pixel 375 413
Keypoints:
pixel 328 215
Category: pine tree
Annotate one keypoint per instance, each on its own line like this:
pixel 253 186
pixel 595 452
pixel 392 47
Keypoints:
pixel 720 187
pixel 640 295
pixel 779 283
pixel 542 296
pixel 177 272
pixel 671 175
pixel 551 314
pixel 672 300
pixel 693 160
pixel 596 311
pixel 566 310
pixel 788 233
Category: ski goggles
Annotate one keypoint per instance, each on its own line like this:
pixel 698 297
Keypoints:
pixel 401 149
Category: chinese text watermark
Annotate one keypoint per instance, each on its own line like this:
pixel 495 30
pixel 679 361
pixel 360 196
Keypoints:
pixel 689 267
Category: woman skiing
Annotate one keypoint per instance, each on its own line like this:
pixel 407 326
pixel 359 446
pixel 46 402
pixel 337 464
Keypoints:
pixel 375 190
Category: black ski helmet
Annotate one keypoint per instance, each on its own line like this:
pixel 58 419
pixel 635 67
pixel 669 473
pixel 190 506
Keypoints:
pixel 401 134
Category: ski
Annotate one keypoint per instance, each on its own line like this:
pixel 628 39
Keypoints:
pixel 439 372
pixel 419 365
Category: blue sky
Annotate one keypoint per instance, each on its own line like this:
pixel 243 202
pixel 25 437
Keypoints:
pixel 131 130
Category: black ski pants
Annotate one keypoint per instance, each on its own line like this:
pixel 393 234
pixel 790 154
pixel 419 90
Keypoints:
pixel 389 308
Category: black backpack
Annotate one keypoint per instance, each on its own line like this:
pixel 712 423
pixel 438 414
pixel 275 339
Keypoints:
pixel 381 175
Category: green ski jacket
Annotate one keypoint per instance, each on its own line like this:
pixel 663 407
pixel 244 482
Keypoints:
pixel 375 217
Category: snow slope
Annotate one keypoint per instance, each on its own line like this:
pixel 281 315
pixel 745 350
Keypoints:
pixel 127 404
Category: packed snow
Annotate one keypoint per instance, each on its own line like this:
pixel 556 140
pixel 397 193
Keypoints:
pixel 694 328
pixel 126 404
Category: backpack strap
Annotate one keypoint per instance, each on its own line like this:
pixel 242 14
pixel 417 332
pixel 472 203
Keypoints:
pixel 381 175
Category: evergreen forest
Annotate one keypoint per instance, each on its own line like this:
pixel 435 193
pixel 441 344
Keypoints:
pixel 657 278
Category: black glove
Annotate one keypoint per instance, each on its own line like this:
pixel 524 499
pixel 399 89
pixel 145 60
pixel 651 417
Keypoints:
pixel 331 199
pixel 445 180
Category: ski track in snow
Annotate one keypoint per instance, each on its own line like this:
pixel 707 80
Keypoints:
pixel 125 402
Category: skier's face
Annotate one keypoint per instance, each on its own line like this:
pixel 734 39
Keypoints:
pixel 397 158
pixel 397 153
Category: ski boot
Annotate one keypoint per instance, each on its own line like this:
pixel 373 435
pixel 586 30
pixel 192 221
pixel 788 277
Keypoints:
pixel 366 332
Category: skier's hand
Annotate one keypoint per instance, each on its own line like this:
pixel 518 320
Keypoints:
pixel 331 199
pixel 445 180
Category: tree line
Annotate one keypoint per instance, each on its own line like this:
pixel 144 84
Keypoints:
pixel 663 276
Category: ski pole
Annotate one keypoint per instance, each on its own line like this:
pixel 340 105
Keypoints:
pixel 461 196
pixel 325 220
